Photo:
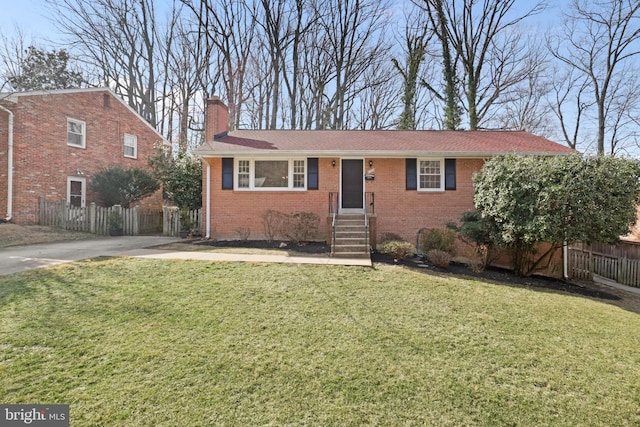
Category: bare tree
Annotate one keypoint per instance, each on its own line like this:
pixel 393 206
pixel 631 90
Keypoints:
pixel 528 111
pixel 440 27
pixel 524 106
pixel 303 18
pixel 230 28
pixel 272 17
pixel 187 59
pixel 569 99
pixel 417 37
pixel 378 103
pixel 13 51
pixel 488 46
pixel 599 39
pixel 258 79
pixel 119 38
pixel 354 41
pixel 621 109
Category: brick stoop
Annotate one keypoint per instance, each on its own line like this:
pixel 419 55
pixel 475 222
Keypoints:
pixel 351 237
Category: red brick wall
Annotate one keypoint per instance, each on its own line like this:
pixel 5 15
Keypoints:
pixel 405 212
pixel 4 147
pixel 232 210
pixel 43 160
pixel 397 210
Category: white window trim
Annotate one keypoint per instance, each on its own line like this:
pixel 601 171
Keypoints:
pixel 430 159
pixel 84 133
pixel 252 172
pixel 134 138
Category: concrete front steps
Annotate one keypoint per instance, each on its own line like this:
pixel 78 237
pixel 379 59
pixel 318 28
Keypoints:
pixel 351 237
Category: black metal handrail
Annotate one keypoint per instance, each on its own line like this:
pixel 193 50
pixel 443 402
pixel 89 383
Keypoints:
pixel 334 199
pixel 370 202
pixel 334 208
pixel 369 209
pixel 333 202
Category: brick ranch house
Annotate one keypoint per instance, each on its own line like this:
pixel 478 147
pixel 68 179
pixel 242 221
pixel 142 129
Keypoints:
pixel 51 143
pixel 401 180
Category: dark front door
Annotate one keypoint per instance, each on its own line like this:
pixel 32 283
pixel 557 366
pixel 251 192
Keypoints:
pixel 76 193
pixel 352 184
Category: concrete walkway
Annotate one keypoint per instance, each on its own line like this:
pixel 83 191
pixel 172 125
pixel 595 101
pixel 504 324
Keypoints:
pixel 16 259
pixel 230 257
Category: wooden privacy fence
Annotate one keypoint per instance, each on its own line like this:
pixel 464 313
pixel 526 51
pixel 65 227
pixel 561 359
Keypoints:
pixel 100 220
pixel 620 263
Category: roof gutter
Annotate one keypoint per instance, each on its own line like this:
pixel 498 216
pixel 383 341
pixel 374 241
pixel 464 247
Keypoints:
pixel 9 167
pixel 368 154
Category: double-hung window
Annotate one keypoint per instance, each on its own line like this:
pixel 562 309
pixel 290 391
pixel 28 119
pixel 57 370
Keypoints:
pixel 244 174
pixel 271 174
pixel 430 175
pixel 130 146
pixel 76 133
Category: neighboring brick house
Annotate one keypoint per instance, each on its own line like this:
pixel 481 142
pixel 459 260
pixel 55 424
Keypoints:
pixel 60 139
pixel 404 180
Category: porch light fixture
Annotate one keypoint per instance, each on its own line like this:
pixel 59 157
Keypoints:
pixel 333 163
pixel 370 163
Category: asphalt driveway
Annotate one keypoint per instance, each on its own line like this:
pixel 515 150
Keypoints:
pixel 21 258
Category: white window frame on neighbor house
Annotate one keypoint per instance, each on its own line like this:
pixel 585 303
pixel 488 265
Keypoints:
pixel 131 141
pixel 245 174
pixel 82 133
pixel 420 174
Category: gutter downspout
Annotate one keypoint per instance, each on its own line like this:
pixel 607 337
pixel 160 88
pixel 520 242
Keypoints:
pixel 208 203
pixel 9 167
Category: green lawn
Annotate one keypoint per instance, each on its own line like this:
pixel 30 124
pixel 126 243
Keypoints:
pixel 156 343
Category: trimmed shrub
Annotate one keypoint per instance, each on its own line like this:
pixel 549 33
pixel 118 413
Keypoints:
pixel 441 239
pixel 397 248
pixel 439 258
pixel 120 186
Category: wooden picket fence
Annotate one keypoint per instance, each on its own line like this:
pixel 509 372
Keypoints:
pixel 135 221
pixel 98 220
pixel 620 263
pixel 173 218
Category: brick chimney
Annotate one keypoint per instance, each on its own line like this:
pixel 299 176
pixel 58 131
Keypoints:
pixel 217 118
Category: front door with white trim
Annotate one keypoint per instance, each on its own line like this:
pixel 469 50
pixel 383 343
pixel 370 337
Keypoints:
pixel 352 184
pixel 76 191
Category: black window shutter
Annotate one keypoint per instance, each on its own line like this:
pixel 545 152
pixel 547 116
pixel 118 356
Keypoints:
pixel 412 174
pixel 449 174
pixel 227 173
pixel 312 173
